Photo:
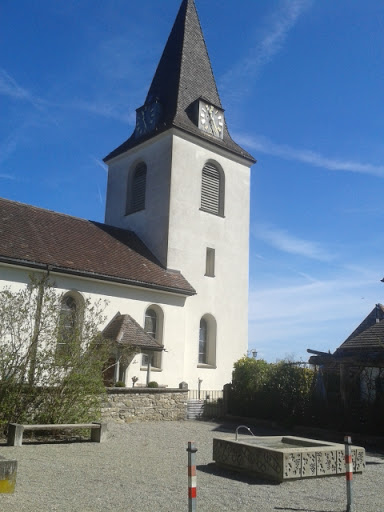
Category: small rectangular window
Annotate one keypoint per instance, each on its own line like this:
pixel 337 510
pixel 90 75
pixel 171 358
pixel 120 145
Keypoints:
pixel 210 262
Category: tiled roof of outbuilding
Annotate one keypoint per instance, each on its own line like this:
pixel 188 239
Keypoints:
pixel 184 74
pixel 369 339
pixel 38 238
pixel 375 316
pixel 365 345
pixel 125 330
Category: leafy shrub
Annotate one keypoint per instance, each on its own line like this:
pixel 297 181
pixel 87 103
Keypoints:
pixel 153 384
pixel 250 374
pixel 39 383
pixel 119 384
pixel 275 391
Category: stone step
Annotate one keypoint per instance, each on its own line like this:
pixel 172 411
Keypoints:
pixel 194 409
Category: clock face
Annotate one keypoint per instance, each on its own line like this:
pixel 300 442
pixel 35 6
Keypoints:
pixel 211 120
pixel 147 118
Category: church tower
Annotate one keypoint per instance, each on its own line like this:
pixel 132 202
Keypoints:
pixel 182 185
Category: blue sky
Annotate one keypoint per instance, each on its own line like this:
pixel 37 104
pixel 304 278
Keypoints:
pixel 302 83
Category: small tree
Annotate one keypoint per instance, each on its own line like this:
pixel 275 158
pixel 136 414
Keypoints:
pixel 249 382
pixel 291 388
pixel 278 391
pixel 39 382
pixel 250 375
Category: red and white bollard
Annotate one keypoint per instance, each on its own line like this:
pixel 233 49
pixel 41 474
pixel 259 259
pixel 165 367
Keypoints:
pixel 348 471
pixel 191 477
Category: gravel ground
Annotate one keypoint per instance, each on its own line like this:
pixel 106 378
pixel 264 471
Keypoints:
pixel 142 467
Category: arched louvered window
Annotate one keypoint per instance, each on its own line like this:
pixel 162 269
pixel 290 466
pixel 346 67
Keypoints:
pixel 212 189
pixel 137 186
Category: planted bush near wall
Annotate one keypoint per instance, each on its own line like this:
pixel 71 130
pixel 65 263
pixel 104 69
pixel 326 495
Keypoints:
pixel 295 394
pixel 275 391
pixel 50 369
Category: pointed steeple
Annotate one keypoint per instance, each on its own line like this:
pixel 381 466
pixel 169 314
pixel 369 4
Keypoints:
pixel 184 74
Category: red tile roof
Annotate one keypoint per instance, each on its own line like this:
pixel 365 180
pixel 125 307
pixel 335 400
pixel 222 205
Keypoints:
pixel 38 238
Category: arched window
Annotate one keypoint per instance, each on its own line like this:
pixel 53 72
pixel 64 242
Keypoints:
pixel 207 341
pixel 212 189
pixel 150 326
pixel 153 325
pixel 203 341
pixel 136 189
pixel 69 325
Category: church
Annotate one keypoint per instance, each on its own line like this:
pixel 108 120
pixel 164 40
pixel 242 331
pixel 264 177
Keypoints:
pixel 171 258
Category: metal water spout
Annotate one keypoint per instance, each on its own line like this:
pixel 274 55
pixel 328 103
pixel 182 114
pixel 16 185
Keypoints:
pixel 246 428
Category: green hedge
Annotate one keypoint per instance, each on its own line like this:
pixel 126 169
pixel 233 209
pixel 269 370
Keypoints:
pixel 280 391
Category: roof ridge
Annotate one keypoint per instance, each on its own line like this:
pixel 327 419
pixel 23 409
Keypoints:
pixel 47 210
pixel 68 215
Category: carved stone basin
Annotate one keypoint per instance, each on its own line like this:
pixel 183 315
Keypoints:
pixel 283 458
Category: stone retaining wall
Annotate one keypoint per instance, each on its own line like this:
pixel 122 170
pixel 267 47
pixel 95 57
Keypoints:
pixel 124 405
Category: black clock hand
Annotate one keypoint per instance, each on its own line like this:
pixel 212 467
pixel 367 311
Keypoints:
pixel 213 124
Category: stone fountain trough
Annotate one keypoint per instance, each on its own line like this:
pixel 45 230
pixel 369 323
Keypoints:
pixel 283 458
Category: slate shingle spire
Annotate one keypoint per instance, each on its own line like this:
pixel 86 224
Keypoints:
pixel 184 74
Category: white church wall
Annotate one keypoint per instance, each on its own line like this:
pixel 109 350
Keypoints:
pixel 179 233
pixel 191 231
pixel 126 300
pixel 150 224
pixel 13 278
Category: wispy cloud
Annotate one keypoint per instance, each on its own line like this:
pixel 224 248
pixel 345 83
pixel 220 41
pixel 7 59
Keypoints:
pixel 293 315
pixel 264 145
pixel 283 241
pixel 272 41
pixel 7 177
pixel 8 146
pixel 100 196
pixel 100 163
pixel 9 87
pixel 113 110
pixel 104 109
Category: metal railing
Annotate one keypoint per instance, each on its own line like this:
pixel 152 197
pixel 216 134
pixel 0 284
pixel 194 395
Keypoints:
pixel 204 394
pixel 210 402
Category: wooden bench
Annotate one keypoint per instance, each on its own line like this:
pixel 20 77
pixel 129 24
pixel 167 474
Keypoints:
pixel 16 431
